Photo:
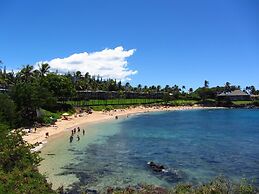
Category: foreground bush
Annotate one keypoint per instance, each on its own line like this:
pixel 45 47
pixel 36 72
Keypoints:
pixel 218 186
pixel 18 166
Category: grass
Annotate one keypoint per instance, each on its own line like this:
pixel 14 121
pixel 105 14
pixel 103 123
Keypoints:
pixel 48 117
pixel 108 107
pixel 242 102
pixel 183 102
pixel 113 102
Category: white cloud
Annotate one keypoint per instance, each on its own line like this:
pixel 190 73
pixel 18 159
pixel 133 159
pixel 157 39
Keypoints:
pixel 108 63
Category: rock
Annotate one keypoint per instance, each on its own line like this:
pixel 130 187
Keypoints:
pixel 156 167
pixel 93 191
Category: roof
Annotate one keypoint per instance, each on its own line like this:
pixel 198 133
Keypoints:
pixel 234 93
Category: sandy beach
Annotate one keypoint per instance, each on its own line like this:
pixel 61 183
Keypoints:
pixel 39 136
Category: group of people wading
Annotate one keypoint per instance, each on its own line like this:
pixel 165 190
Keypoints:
pixel 74 131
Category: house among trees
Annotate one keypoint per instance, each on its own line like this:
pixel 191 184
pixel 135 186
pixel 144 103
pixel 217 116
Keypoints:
pixel 255 97
pixel 234 95
pixel 3 90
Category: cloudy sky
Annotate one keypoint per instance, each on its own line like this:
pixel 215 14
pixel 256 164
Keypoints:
pixel 107 63
pixel 150 42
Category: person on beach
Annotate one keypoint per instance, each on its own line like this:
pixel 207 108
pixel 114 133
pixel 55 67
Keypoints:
pixel 71 139
pixel 47 134
pixel 83 132
pixel 78 129
pixel 74 130
pixel 78 138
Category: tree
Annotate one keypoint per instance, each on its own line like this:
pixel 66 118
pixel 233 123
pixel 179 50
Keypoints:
pixel 120 88
pixel 145 88
pixel 127 86
pixel 7 110
pixel 167 88
pixel 176 91
pixel 166 97
pixel 206 84
pixel 26 73
pixel 10 79
pixel 227 87
pixel 44 69
pixel 158 88
pixel 205 93
pixel 139 88
pixel 59 85
pixel 18 165
pixel 27 99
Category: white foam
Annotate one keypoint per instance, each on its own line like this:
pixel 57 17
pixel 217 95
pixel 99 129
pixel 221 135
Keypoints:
pixel 38 148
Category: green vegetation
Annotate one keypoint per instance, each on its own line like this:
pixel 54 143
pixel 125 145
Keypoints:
pixel 31 90
pixel 218 186
pixel 48 117
pixel 33 96
pixel 243 102
pixel 108 107
pixel 113 102
pixel 18 166
pixel 7 111
pixel 183 102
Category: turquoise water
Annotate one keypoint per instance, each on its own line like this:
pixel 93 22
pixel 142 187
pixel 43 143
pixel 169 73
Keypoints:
pixel 194 146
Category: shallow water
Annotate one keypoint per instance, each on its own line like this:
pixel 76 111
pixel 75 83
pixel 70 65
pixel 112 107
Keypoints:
pixel 195 146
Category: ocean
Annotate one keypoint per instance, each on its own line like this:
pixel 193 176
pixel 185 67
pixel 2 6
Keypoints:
pixel 194 146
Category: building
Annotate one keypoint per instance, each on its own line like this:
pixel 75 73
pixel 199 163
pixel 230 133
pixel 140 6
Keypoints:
pixel 255 97
pixel 3 90
pixel 234 95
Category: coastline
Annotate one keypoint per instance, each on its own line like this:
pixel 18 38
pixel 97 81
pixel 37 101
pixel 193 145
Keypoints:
pixel 97 116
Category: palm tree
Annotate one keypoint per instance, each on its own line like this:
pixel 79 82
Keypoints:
pixel 145 88
pixel 87 76
pixel 158 88
pixel 183 88
pixel 44 69
pixel 227 87
pixel 167 88
pixel 139 88
pixel 127 86
pixel 206 84
pixel 176 89
pixel 10 78
pixel 26 73
pixel 250 89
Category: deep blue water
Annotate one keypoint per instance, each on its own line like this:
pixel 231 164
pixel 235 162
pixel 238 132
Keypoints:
pixel 195 146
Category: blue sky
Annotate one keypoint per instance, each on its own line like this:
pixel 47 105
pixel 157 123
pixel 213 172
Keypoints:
pixel 179 42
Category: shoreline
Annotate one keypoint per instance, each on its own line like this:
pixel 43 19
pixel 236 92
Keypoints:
pixel 97 116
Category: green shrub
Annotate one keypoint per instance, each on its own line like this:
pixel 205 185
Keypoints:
pixel 256 103
pixel 183 102
pixel 48 117
pixel 18 166
pixel 218 186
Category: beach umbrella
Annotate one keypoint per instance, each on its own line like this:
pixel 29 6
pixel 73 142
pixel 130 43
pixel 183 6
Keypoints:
pixel 65 114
